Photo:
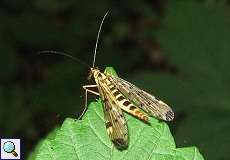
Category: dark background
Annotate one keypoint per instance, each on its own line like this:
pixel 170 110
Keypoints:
pixel 178 50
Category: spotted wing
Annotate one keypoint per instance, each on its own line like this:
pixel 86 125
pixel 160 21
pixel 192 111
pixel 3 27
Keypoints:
pixel 115 121
pixel 143 100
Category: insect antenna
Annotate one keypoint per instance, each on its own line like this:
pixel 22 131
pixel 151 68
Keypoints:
pixel 98 35
pixel 63 54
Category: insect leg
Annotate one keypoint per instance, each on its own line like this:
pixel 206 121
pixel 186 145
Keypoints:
pixel 86 88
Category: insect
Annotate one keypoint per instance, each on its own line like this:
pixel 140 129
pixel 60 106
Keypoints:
pixel 117 95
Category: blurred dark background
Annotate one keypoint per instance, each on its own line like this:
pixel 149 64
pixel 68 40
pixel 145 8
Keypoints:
pixel 177 50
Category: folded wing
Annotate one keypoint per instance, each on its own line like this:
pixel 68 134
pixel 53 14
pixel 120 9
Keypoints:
pixel 143 100
pixel 115 121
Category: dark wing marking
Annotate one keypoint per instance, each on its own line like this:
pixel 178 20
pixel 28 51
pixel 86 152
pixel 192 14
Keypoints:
pixel 115 121
pixel 142 99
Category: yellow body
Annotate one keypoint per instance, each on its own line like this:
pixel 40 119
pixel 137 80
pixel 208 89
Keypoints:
pixel 119 99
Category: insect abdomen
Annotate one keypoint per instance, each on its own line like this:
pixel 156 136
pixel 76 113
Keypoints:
pixel 125 104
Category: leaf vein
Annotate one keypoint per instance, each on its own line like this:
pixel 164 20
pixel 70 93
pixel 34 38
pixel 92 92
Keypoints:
pixel 96 133
pixel 155 145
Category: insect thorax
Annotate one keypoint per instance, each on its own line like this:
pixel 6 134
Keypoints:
pixel 98 76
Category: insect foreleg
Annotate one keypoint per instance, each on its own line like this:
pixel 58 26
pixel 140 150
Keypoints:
pixel 86 88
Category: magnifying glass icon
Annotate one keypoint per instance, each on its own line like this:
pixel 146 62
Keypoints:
pixel 9 147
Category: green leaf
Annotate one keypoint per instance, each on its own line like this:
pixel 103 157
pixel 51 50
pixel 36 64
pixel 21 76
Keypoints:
pixel 88 139
pixel 110 70
pixel 50 136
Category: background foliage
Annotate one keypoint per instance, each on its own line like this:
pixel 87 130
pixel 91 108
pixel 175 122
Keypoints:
pixel 178 50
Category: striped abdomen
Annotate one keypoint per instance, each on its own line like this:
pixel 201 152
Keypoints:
pixel 124 104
